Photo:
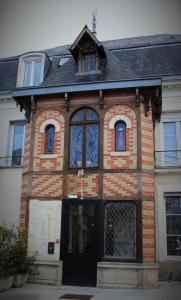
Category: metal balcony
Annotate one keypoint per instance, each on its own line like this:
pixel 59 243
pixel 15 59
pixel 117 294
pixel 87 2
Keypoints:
pixel 168 159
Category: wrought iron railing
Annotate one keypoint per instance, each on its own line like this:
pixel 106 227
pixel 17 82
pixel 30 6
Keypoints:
pixel 11 161
pixel 168 159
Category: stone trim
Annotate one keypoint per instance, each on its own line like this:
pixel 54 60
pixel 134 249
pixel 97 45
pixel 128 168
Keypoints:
pixel 119 118
pixel 50 122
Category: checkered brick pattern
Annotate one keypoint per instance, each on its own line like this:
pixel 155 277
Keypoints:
pixel 24 186
pixel 48 164
pixel 23 212
pixel 148 223
pixel 123 162
pixel 148 185
pixel 47 185
pixel 27 148
pixel 147 140
pixel 123 185
pixel 90 185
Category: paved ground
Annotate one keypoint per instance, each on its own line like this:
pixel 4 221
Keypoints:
pixel 166 291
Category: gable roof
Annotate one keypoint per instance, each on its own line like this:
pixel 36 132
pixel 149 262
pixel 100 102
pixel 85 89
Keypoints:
pixel 136 58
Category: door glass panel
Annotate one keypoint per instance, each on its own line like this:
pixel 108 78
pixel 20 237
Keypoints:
pixel 81 229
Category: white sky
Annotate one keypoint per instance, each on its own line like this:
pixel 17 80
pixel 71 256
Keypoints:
pixel 27 25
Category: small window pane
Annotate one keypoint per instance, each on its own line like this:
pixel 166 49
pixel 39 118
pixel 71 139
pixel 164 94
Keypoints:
pixel 89 62
pixel 120 129
pixel 174 245
pixel 50 130
pixel 173 206
pixel 170 144
pixel 27 74
pixel 91 115
pixel 37 72
pixel 76 140
pixel 78 116
pixel 92 145
pixel 17 144
pixel 173 222
pixel 120 230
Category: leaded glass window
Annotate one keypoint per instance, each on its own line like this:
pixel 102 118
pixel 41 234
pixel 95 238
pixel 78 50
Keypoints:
pixel 84 137
pixel 120 136
pixel 49 143
pixel 173 224
pixel 120 230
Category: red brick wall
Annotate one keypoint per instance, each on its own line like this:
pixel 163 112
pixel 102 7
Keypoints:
pixel 111 161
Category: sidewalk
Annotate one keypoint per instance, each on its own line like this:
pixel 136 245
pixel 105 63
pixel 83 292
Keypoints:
pixel 166 291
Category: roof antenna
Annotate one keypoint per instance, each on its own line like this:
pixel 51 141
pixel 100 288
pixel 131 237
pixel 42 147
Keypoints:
pixel 94 21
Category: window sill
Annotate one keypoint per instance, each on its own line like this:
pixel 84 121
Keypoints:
pixel 121 153
pixel 97 72
pixel 11 167
pixel 45 156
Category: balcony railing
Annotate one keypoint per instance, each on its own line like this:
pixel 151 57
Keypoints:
pixel 11 161
pixel 168 159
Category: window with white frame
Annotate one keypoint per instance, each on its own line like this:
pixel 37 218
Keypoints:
pixel 173 224
pixel 17 143
pixel 172 143
pixel 31 69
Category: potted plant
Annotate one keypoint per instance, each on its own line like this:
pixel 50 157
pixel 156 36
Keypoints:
pixel 7 242
pixel 23 264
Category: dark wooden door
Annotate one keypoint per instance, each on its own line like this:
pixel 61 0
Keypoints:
pixel 80 241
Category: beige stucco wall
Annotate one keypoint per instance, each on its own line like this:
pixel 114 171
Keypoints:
pixel 10 195
pixel 44 227
pixel 10 178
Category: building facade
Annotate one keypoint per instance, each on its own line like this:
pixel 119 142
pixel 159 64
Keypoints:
pixel 12 134
pixel 89 181
pixel 168 179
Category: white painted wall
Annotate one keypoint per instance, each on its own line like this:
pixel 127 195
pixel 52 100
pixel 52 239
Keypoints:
pixel 44 227
pixel 10 178
pixel 10 195
pixel 167 180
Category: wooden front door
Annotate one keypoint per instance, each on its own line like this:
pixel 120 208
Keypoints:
pixel 80 241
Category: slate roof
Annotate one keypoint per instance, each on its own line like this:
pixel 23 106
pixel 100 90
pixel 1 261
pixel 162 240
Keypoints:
pixel 137 58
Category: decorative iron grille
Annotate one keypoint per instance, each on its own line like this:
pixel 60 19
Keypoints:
pixel 120 230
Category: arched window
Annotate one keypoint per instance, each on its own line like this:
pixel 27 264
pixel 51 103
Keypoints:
pixel 49 140
pixel 120 136
pixel 120 230
pixel 84 137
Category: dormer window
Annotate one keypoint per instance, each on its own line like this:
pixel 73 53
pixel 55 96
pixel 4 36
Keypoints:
pixel 31 69
pixel 88 62
pixel 32 72
pixel 89 55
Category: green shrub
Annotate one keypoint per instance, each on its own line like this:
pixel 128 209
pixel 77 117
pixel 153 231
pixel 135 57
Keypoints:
pixel 13 253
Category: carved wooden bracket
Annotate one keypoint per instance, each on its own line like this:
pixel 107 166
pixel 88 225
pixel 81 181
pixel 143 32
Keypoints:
pixel 147 99
pixel 101 99
pixel 26 105
pixel 137 98
pixel 67 101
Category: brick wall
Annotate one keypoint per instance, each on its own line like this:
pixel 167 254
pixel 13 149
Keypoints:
pixel 122 185
pixel 90 185
pixel 111 161
pixel 117 180
pixel 40 161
